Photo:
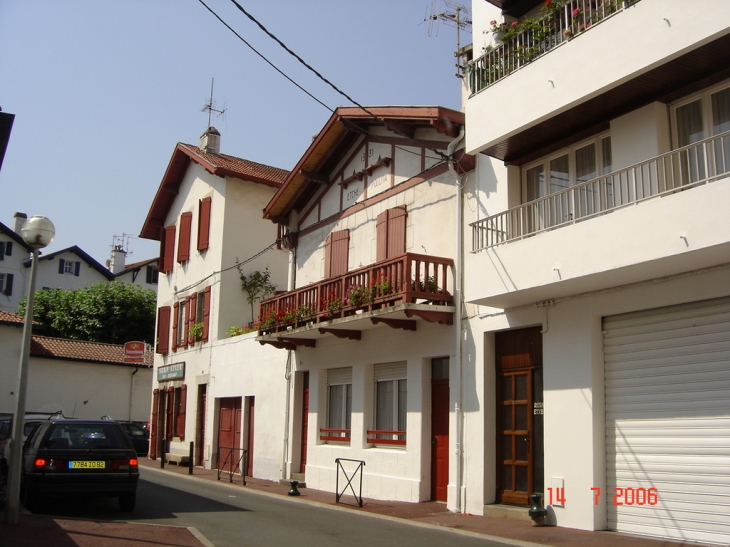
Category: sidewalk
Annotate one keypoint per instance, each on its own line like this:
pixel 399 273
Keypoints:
pixel 34 531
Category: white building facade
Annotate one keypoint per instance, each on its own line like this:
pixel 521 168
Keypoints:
pixel 13 253
pixel 598 282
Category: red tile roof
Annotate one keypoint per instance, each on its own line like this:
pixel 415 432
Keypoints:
pixel 79 350
pixel 7 317
pixel 238 166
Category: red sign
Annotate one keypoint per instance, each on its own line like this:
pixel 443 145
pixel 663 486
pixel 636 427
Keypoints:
pixel 134 352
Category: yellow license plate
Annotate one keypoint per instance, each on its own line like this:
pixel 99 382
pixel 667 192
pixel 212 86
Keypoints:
pixel 87 465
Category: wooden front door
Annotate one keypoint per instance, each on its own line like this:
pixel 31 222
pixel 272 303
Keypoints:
pixel 305 421
pixel 439 439
pixel 250 404
pixel 200 437
pixel 519 415
pixel 229 432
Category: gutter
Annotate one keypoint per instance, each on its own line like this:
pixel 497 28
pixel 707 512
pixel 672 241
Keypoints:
pixel 458 274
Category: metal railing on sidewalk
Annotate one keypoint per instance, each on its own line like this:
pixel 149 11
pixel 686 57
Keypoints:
pixel 229 461
pixel 349 478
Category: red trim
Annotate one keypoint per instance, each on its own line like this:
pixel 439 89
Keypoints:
pixel 204 208
pixel 183 242
pixel 163 330
pixel 206 314
pixel 400 442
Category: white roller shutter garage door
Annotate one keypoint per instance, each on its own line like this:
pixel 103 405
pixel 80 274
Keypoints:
pixel 668 422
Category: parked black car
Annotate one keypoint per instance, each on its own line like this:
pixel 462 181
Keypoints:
pixel 80 457
pixel 32 420
pixel 140 437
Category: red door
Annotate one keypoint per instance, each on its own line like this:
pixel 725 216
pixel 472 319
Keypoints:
pixel 200 440
pixel 305 422
pixel 249 465
pixel 439 439
pixel 229 433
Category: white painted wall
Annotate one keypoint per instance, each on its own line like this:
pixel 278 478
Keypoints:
pixel 13 265
pixel 47 275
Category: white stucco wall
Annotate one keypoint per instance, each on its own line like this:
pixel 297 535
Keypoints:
pixel 13 265
pixel 47 275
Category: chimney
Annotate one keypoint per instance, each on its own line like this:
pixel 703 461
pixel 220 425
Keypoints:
pixel 210 141
pixel 117 262
pixel 18 220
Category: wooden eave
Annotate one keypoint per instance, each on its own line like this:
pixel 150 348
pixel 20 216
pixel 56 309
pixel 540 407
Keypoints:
pixel 342 130
pixel 515 8
pixel 678 77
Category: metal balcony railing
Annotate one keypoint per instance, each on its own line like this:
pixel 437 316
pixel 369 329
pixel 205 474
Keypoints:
pixel 532 38
pixel 699 163
pixel 409 278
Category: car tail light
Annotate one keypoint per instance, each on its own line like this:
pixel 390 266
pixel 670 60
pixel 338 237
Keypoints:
pixel 43 463
pixel 125 464
pixel 39 462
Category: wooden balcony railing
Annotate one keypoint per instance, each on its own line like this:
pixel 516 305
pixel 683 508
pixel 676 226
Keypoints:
pixel 340 435
pixel 377 436
pixel 409 278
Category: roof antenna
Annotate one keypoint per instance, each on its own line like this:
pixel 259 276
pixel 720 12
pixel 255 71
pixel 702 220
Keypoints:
pixel 210 104
pixel 456 15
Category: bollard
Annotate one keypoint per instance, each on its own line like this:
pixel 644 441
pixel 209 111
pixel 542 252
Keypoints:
pixel 294 491
pixel 190 459
pixel 537 512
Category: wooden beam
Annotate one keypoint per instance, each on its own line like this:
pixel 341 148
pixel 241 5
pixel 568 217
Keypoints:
pixel 399 128
pixel 306 342
pixel 319 178
pixel 440 317
pixel 404 324
pixel 343 333
pixel 278 345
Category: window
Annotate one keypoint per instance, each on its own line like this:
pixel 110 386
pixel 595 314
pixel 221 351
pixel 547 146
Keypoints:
pixel 336 249
pixel 71 267
pixel 204 224
pixel 390 231
pixel 702 116
pixel 176 408
pixel 188 313
pixel 183 243
pixel 152 274
pixel 6 249
pixel 339 405
pixel 6 284
pixel 163 329
pixel 391 390
pixel 179 325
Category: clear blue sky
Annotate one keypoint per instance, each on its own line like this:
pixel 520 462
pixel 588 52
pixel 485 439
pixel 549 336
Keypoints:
pixel 102 91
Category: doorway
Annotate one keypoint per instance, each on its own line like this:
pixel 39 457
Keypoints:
pixel 200 424
pixel 250 406
pixel 520 460
pixel 305 421
pixel 229 433
pixel 439 429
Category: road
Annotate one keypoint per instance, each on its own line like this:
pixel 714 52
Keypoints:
pixel 229 516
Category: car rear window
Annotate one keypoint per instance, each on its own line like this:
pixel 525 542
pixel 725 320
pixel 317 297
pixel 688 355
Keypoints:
pixel 86 436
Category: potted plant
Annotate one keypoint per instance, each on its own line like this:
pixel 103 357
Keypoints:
pixel 196 331
pixel 358 296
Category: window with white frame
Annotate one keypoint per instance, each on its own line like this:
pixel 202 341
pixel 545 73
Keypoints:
pixel 339 405
pixel 182 331
pixel 391 399
pixel 696 118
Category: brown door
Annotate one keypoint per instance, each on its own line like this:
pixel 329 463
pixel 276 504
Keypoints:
pixel 439 439
pixel 305 421
pixel 229 433
pixel 200 437
pixel 154 424
pixel 519 415
pixel 251 405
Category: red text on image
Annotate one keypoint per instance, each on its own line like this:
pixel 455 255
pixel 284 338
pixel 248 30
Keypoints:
pixel 559 496
pixel 629 496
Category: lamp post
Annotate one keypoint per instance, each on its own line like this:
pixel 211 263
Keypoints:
pixel 37 232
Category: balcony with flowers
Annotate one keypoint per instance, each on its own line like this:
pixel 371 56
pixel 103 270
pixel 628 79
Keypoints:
pixel 394 292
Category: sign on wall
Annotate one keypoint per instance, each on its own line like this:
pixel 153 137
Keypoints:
pixel 175 371
pixel 134 352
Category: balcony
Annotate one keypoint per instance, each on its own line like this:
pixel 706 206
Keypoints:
pixel 392 292
pixel 525 41
pixel 684 168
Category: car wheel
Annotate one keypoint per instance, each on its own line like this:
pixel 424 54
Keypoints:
pixel 127 501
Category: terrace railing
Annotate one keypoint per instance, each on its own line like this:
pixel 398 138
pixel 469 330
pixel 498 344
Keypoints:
pixel 699 163
pixel 409 278
pixel 534 37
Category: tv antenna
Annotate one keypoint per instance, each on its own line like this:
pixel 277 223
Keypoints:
pixel 210 106
pixel 456 15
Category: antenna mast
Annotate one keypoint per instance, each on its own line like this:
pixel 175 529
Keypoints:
pixel 210 105
pixel 456 15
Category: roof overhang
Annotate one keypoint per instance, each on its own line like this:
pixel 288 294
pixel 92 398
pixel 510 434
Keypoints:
pixel 342 130
pixel 6 126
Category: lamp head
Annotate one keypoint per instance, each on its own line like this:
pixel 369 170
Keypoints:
pixel 38 232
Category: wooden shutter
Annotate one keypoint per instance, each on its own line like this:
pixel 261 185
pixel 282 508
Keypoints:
pixel 8 285
pixel 182 405
pixel 170 433
pixel 206 314
pixel 397 231
pixel 2 250
pixel 8 248
pixel 163 329
pixel 381 235
pixel 204 224
pixel 337 247
pixel 183 242
pixel 61 264
pixel 192 319
pixel 175 326
pixel 167 249
pixel 77 269
pixel 153 424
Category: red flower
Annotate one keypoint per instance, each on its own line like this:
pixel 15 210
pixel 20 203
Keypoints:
pixel 576 12
pixel 514 24
pixel 548 2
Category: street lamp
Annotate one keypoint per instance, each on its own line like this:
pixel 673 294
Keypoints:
pixel 37 232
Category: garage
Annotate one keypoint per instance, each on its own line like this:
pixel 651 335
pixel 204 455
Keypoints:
pixel 667 379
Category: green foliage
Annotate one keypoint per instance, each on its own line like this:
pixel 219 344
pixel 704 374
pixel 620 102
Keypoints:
pixel 257 286
pixel 113 313
pixel 196 331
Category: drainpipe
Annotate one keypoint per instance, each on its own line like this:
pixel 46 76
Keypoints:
pixel 291 284
pixel 458 274
pixel 131 393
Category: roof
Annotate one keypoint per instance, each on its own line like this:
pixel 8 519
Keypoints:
pixel 90 260
pixel 6 126
pixel 80 350
pixel 12 235
pixel 10 318
pixel 342 130
pixel 221 165
pixel 137 265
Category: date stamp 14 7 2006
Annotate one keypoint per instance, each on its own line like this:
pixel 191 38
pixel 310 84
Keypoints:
pixel 621 496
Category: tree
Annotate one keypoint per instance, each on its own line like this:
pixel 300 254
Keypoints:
pixel 257 286
pixel 113 313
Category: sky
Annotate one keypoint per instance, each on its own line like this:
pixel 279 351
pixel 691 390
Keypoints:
pixel 102 90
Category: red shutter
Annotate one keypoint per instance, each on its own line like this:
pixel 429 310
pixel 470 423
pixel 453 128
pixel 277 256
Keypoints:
pixel 183 242
pixel 163 329
pixel 175 319
pixel 192 311
pixel 167 249
pixel 339 250
pixel 328 257
pixel 206 314
pixel 181 412
pixel 153 424
pixel 204 224
pixel 397 231
pixel 170 413
pixel 381 236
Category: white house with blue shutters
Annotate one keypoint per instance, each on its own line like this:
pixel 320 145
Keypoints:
pixel 13 252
